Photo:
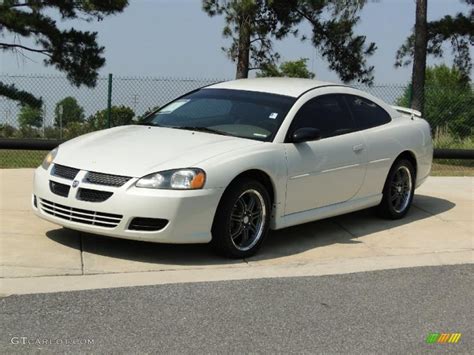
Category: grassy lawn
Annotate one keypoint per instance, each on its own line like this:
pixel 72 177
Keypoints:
pixel 32 158
pixel 21 158
pixel 445 169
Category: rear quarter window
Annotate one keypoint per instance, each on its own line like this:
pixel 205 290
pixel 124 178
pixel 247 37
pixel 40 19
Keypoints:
pixel 367 114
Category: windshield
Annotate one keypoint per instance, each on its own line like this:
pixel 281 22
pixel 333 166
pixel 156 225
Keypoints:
pixel 245 114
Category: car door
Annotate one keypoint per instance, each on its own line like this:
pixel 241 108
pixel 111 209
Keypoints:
pixel 373 123
pixel 330 170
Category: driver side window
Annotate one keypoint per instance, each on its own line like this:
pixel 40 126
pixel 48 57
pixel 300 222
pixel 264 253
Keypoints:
pixel 328 113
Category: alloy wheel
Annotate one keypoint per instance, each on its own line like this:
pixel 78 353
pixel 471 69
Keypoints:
pixel 401 189
pixel 247 220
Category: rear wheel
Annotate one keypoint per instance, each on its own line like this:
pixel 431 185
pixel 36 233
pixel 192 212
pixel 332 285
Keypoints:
pixel 242 219
pixel 398 190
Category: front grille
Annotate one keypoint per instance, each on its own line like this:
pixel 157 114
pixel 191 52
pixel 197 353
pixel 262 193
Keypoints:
pixel 106 179
pixel 147 224
pixel 59 189
pixel 93 195
pixel 64 171
pixel 94 218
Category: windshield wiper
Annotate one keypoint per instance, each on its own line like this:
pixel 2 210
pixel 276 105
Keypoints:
pixel 202 129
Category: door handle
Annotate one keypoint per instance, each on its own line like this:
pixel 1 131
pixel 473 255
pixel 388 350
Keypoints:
pixel 358 148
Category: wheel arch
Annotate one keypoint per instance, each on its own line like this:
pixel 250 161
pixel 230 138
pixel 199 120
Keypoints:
pixel 410 156
pixel 260 176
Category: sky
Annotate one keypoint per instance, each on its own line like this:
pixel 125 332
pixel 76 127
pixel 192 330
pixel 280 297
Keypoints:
pixel 175 38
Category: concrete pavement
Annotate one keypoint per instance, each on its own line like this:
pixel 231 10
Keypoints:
pixel 37 256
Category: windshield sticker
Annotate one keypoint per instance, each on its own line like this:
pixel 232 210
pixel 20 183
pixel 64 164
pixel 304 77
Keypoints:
pixel 260 135
pixel 174 106
pixel 273 115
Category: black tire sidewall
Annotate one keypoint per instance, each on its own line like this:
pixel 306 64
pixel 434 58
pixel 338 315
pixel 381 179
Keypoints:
pixel 221 240
pixel 386 207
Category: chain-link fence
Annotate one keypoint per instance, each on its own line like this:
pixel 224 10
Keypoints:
pixel 68 111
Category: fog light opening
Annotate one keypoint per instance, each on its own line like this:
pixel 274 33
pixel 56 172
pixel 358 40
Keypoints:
pixel 147 224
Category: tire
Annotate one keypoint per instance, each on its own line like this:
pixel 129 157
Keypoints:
pixel 240 225
pixel 398 190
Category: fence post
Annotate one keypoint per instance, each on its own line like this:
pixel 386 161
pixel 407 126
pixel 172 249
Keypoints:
pixel 109 100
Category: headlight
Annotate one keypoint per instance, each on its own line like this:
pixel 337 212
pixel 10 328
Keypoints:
pixel 49 158
pixel 179 179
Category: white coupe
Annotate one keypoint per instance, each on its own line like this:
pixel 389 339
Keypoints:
pixel 226 163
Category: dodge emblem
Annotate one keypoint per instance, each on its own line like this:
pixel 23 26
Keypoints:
pixel 75 183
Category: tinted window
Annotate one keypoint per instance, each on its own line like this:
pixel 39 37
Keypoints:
pixel 246 114
pixel 204 108
pixel 366 113
pixel 327 113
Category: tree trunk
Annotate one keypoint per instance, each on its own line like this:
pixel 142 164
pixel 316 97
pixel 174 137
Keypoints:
pixel 419 60
pixel 243 53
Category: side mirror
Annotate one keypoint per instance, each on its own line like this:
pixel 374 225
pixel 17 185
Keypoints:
pixel 305 134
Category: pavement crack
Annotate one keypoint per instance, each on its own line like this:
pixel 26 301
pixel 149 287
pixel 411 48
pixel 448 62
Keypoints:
pixel 81 251
pixel 430 213
pixel 356 237
pixel 345 229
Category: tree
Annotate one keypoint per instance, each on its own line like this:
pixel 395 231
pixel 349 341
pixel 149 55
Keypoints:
pixel 23 97
pixel 419 55
pixel 30 117
pixel 449 100
pixel 74 52
pixel 291 69
pixel 345 51
pixel 71 112
pixel 75 129
pixel 7 131
pixel 119 116
pixel 51 133
pixel 457 30
pixel 252 24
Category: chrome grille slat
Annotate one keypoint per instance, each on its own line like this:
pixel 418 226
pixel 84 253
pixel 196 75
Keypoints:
pixel 64 208
pixel 81 211
pixel 75 216
pixel 106 179
pixel 106 220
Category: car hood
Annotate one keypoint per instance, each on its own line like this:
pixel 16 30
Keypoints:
pixel 140 150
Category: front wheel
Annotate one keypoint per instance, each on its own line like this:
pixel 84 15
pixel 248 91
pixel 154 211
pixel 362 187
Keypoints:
pixel 242 219
pixel 398 190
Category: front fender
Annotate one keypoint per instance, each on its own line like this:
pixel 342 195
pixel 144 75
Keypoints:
pixel 269 158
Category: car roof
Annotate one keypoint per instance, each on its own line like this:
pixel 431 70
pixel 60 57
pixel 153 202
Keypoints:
pixel 281 86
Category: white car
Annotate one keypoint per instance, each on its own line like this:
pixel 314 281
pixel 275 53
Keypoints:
pixel 226 163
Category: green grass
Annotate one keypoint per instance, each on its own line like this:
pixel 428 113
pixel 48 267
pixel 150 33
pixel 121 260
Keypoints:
pixel 447 167
pixel 11 159
pixel 444 140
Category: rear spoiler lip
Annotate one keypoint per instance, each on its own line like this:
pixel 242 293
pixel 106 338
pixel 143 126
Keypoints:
pixel 407 111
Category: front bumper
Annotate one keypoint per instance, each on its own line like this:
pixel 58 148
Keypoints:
pixel 189 213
